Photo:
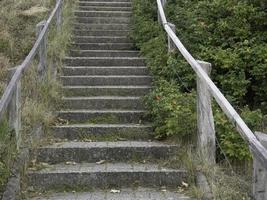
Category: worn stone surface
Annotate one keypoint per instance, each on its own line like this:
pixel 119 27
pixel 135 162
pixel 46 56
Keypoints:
pixel 103 20
pixel 104 70
pixel 89 27
pixel 108 151
pixel 101 39
pixel 104 80
pixel 100 33
pixel 105 175
pixel 117 131
pixel 103 102
pixel 103 116
pixel 103 46
pixel 105 4
pixel 123 194
pixel 106 90
pixel 103 13
pixel 103 8
pixel 103 53
pixel 104 61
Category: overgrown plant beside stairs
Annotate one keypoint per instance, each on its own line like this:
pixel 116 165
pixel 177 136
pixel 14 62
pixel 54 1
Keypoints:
pixel 174 77
pixel 39 97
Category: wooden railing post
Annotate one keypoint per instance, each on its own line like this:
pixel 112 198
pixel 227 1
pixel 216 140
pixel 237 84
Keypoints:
pixel 163 2
pixel 171 45
pixel 14 111
pixel 259 187
pixel 59 16
pixel 205 121
pixel 42 51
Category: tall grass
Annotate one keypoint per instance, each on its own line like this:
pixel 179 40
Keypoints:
pixel 40 99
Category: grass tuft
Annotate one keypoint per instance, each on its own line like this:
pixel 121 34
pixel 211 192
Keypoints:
pixel 40 99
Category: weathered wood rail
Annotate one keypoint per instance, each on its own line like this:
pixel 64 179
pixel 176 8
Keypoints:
pixel 206 132
pixel 10 103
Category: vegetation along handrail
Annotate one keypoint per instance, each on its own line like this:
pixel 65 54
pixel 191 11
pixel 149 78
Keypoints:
pixel 255 145
pixel 6 98
pixel 11 93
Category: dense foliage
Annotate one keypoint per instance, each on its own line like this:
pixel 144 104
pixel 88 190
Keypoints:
pixel 229 34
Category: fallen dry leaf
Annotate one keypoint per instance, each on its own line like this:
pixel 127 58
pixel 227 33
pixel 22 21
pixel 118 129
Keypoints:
pixel 121 139
pixel 70 163
pixel 185 184
pixel 115 191
pixel 100 162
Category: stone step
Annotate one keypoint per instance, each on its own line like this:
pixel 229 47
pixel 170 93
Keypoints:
pixel 103 116
pixel 106 90
pixel 98 132
pixel 100 39
pixel 103 8
pixel 104 61
pixel 92 27
pixel 100 33
pixel 138 193
pixel 106 80
pixel 105 4
pixel 102 20
pixel 102 102
pixel 91 175
pixel 124 151
pixel 103 53
pixel 103 46
pixel 127 70
pixel 102 13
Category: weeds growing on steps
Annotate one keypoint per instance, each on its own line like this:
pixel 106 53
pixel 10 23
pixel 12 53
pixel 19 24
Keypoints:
pixel 224 183
pixel 40 99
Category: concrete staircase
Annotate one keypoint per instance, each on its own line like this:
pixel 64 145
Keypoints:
pixel 104 148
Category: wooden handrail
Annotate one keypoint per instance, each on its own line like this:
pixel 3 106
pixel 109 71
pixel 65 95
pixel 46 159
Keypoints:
pixel 255 145
pixel 7 95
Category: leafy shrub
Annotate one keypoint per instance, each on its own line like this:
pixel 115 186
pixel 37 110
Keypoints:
pixel 230 141
pixel 230 35
pixel 173 112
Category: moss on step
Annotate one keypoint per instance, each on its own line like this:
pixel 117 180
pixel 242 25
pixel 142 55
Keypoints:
pixel 109 119
pixel 117 136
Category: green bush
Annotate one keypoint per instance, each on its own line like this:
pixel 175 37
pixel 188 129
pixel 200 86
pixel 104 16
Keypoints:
pixel 173 112
pixel 229 139
pixel 230 35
